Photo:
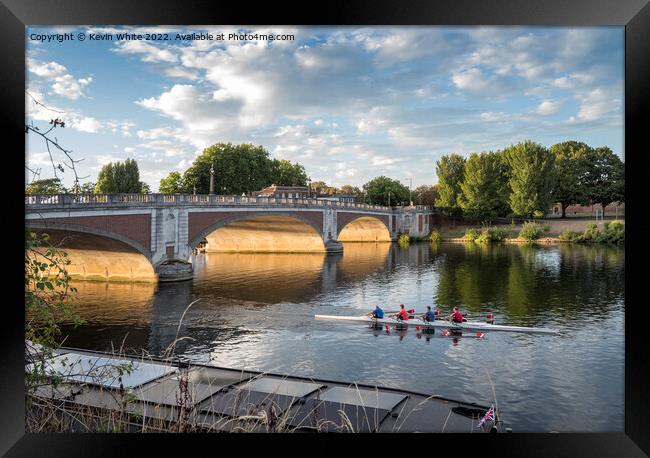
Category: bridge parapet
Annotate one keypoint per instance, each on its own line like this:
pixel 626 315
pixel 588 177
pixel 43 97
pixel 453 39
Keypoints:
pixel 190 200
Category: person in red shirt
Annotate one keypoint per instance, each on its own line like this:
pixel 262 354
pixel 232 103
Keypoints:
pixel 402 314
pixel 456 317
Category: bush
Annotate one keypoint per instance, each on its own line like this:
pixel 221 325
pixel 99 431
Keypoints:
pixel 404 239
pixel 530 231
pixel 571 236
pixel 547 228
pixel 434 236
pixel 614 232
pixel 490 234
pixel 472 234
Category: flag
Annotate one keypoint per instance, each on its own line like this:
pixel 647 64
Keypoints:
pixel 489 416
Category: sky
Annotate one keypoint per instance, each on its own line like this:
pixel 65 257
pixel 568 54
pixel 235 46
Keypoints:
pixel 348 103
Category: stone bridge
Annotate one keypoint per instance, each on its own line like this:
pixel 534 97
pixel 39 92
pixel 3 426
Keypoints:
pixel 137 237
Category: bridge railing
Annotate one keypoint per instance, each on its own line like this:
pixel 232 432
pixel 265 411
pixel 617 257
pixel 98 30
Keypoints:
pixel 108 200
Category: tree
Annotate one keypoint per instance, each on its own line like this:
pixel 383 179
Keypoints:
pixel 604 181
pixel 46 187
pixel 237 169
pixel 385 191
pixel 426 195
pixel 451 172
pixel 144 188
pixel 532 178
pixel 482 196
pixel 87 188
pixel 121 177
pixel 572 163
pixel 171 184
pixel 320 187
pixel 286 173
pixel 349 189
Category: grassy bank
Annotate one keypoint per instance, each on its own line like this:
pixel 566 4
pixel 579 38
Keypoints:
pixel 550 231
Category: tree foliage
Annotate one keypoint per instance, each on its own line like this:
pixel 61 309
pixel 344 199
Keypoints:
pixel 451 172
pixel 381 190
pixel 482 189
pixel 572 164
pixel 45 187
pixel 532 178
pixel 287 173
pixel 237 169
pixel 426 194
pixel 120 177
pixel 171 184
pixel 604 182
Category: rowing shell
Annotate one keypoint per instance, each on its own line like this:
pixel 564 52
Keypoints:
pixel 465 326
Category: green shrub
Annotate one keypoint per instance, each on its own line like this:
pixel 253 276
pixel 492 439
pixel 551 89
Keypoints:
pixel 530 231
pixel 404 239
pixel 472 234
pixel 571 236
pixel 547 228
pixel 615 232
pixel 591 233
pixel 497 234
pixel 434 236
pixel 490 234
pixel 537 214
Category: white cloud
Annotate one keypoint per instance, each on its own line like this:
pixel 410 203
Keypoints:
pixel 150 53
pixel 63 83
pixel 548 107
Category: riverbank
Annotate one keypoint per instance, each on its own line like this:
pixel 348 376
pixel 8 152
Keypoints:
pixel 552 229
pixel 134 394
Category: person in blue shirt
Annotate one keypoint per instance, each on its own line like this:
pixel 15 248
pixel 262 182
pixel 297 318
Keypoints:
pixel 377 313
pixel 429 315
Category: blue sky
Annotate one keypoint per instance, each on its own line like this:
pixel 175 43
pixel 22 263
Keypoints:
pixel 348 103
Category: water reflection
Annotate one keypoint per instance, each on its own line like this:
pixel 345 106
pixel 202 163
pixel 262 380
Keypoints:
pixel 256 311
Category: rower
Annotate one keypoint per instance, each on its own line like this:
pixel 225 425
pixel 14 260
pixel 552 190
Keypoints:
pixel 429 315
pixel 402 314
pixel 377 312
pixel 456 317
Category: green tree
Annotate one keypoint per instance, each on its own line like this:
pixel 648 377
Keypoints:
pixel 426 194
pixel 46 187
pixel 87 188
pixel 451 171
pixel 237 169
pixel 572 163
pixel 171 184
pixel 384 191
pixel 349 189
pixel 604 181
pixel 286 173
pixel 320 187
pixel 481 195
pixel 120 177
pixel 532 178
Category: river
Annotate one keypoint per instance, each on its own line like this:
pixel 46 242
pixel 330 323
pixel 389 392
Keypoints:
pixel 255 311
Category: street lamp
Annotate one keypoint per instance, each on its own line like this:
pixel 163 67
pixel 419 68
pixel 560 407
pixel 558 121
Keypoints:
pixel 211 178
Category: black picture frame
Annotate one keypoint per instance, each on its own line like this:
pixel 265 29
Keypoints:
pixel 15 15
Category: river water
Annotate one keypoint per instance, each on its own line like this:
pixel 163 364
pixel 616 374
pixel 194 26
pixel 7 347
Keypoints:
pixel 256 311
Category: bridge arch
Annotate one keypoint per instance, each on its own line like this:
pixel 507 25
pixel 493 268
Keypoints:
pixel 363 228
pixel 260 231
pixel 97 254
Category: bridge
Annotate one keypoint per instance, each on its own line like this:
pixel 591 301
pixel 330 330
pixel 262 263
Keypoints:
pixel 150 237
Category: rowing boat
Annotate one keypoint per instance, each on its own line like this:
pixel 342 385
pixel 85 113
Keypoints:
pixel 441 324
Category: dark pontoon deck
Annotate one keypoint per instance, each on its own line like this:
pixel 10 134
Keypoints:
pixel 159 392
